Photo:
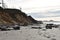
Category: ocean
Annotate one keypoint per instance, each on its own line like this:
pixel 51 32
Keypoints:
pixel 57 22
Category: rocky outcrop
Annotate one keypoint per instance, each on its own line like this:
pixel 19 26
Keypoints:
pixel 32 20
pixel 15 16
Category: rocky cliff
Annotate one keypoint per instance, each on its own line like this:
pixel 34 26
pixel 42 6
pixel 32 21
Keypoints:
pixel 15 16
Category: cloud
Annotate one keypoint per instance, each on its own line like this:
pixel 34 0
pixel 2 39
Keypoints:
pixel 46 14
pixel 49 18
pixel 54 11
pixel 34 4
pixel 38 9
pixel 49 15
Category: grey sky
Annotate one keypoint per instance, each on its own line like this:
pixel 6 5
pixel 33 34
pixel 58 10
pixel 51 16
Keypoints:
pixel 39 9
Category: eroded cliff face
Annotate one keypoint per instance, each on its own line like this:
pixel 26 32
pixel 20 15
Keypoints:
pixel 15 16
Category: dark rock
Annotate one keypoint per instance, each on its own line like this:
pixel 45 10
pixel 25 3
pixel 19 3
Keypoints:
pixel 49 26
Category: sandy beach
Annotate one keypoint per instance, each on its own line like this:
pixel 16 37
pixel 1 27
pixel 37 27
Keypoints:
pixel 26 33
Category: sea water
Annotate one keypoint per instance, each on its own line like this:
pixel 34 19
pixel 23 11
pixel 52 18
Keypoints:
pixel 57 22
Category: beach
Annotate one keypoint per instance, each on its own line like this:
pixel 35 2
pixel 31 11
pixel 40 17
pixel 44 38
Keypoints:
pixel 27 33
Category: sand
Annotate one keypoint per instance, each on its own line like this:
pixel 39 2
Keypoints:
pixel 26 33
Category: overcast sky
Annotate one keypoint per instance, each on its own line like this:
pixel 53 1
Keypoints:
pixel 38 9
